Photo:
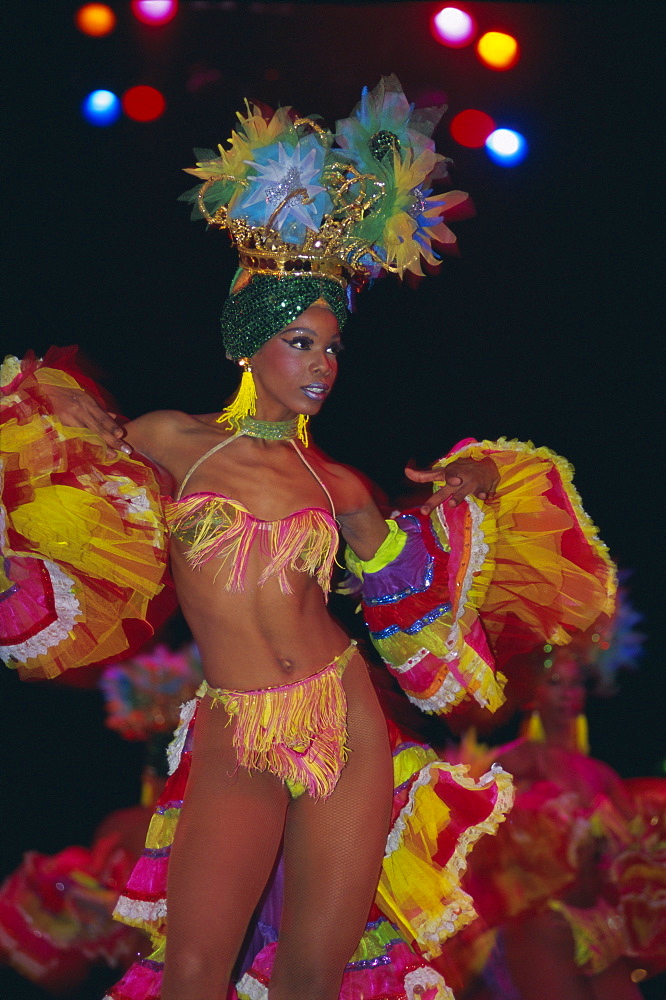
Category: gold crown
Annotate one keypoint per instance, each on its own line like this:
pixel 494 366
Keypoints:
pixel 329 251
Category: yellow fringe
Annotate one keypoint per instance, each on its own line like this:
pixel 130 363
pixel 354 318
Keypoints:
pixel 297 731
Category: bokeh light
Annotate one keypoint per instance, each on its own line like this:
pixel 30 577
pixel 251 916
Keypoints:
pixel 471 128
pixel 154 11
pixel 497 50
pixel 453 27
pixel 101 107
pixel 95 19
pixel 143 104
pixel 506 147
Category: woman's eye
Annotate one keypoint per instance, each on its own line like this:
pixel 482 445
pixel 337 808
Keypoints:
pixel 301 343
pixel 335 349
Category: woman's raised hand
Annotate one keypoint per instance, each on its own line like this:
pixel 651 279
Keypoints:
pixel 75 408
pixel 464 477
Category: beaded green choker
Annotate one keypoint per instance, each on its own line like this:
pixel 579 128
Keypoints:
pixel 269 430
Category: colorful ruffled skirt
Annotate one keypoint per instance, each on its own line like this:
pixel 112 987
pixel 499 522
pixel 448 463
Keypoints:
pixel 438 815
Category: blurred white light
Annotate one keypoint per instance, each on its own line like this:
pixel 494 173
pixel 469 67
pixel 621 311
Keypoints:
pixel 506 146
pixel 453 26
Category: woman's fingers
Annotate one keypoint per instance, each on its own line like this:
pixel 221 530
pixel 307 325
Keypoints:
pixel 464 477
pixel 78 409
pixel 429 475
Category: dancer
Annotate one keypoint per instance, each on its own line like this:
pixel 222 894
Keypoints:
pixel 573 878
pixel 285 747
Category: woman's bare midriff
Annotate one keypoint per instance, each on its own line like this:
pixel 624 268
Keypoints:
pixel 260 637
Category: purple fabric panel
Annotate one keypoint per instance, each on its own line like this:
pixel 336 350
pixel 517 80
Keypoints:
pixel 409 572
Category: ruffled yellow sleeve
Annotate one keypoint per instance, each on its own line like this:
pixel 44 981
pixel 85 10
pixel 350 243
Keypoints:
pixel 545 574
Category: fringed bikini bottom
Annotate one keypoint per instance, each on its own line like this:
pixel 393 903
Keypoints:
pixel 296 731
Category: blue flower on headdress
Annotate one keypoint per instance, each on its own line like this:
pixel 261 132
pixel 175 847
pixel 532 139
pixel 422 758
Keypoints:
pixel 287 180
pixel 383 122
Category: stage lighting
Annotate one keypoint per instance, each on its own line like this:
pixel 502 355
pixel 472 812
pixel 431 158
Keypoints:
pixel 154 11
pixel 471 128
pixel 95 19
pixel 497 50
pixel 506 147
pixel 101 107
pixel 143 104
pixel 453 27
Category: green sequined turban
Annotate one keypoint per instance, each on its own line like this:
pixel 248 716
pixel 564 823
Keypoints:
pixel 267 304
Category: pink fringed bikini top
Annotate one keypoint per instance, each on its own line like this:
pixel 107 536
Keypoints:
pixel 216 527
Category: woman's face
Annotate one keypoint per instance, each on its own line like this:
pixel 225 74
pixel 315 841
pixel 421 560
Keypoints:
pixel 295 370
pixel 561 694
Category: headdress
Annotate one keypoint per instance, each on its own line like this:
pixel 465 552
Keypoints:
pixel 322 211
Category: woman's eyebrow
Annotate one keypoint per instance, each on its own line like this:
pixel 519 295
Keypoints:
pixel 300 329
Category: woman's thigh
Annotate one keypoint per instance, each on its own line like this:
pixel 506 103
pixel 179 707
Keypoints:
pixel 225 846
pixel 334 848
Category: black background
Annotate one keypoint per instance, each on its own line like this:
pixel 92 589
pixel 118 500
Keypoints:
pixel 546 327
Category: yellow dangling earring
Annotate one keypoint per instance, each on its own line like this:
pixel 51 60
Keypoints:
pixel 532 729
pixel 302 429
pixel 244 403
pixel 582 734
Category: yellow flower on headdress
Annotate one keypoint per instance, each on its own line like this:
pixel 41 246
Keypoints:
pixel 231 167
pixel 414 217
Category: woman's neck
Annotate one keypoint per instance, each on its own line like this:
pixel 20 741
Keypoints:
pixel 269 430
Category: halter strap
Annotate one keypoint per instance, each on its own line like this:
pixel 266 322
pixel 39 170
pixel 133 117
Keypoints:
pixel 318 478
pixel 200 461
pixel 223 444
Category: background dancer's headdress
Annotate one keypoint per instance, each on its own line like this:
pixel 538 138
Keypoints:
pixel 313 213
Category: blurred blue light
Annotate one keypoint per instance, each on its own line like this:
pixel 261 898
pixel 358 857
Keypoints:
pixel 101 107
pixel 506 147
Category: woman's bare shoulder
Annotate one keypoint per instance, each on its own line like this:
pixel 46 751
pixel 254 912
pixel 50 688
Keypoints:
pixel 356 490
pixel 153 433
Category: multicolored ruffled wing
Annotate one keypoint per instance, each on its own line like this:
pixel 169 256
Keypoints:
pixel 83 536
pixel 451 597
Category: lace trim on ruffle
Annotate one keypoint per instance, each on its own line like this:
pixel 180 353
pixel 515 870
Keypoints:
pixel 426 979
pixel 479 552
pixel 448 693
pixel 248 988
pixel 140 912
pixel 175 748
pixel 395 835
pixel 68 610
pixel 401 668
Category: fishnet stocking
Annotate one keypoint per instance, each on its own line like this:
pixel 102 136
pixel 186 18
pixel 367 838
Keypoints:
pixel 225 846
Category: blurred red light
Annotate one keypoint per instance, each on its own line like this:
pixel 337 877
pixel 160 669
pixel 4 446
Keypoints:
pixel 143 104
pixel 154 11
pixel 471 128
pixel 95 19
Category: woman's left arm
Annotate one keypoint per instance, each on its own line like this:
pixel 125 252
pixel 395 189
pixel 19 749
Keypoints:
pixel 364 528
pixel 500 558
